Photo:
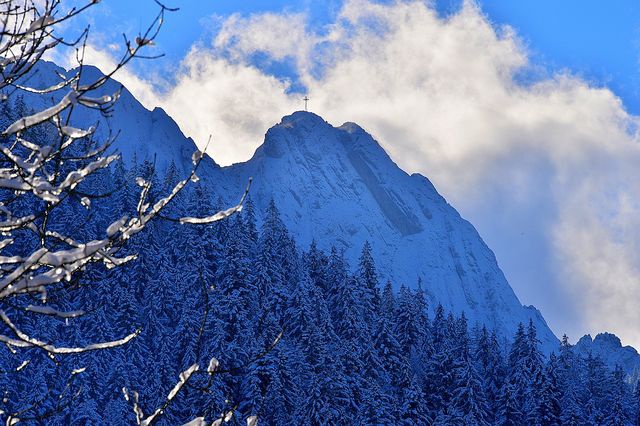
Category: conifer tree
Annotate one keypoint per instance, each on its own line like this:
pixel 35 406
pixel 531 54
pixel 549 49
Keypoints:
pixel 594 390
pixel 535 377
pixel 388 302
pixel 635 405
pixel 368 285
pixel 438 377
pixel 390 356
pixel 469 398
pixel 317 264
pixel 572 412
pixel 414 410
pixel 269 272
pixel 407 326
pixel 490 368
pixel 619 406
pixel 519 377
pixel 509 409
pixel 548 411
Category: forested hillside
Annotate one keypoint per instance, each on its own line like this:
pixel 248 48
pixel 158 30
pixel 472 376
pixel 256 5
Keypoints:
pixel 301 336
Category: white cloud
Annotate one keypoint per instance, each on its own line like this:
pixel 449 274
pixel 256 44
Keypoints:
pixel 547 170
pixel 234 103
pixel 282 35
pixel 143 89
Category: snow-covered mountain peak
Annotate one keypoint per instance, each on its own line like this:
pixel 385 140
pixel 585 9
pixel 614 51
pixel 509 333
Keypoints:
pixel 141 134
pixel 338 186
pixel 351 127
pixel 310 135
pixel 602 339
pixel 609 347
pixel 303 118
pixel 608 339
pixel 291 136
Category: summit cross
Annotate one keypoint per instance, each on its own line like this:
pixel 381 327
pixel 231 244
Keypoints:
pixel 306 100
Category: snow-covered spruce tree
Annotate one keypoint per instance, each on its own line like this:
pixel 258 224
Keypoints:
pixel 52 173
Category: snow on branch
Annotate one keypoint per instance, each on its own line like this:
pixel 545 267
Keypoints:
pixel 22 340
pixel 213 369
pixel 24 123
pixel 61 85
pixel 141 420
pixel 47 310
pixel 30 342
pixel 42 164
pixel 223 214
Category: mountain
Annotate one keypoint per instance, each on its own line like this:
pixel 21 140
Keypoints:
pixel 337 186
pixel 610 349
pixel 138 132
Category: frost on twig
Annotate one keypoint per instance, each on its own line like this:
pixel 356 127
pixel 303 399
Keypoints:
pixel 224 418
pixel 23 340
pixel 146 421
pixel 213 369
pixel 46 160
pixel 213 366
pixel 223 214
pixel 48 310
pixel 24 123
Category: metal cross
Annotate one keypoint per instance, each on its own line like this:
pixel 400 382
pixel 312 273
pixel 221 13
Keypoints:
pixel 305 99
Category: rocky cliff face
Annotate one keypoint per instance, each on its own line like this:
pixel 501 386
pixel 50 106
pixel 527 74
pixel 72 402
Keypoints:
pixel 337 186
pixel 608 347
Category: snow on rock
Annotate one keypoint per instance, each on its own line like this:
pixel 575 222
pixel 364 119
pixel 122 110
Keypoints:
pixel 335 185
pixel 609 347
pixel 142 134
pixel 338 186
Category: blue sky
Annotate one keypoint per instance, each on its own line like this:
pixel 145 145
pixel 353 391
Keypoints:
pixel 523 113
pixel 597 40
